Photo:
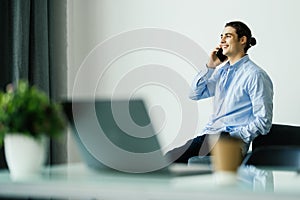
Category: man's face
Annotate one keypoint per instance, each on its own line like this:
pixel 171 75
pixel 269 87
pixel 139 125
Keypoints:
pixel 230 43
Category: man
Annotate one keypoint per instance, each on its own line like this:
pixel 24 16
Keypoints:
pixel 243 94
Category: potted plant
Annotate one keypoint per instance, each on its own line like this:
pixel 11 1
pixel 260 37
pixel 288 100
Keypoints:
pixel 27 119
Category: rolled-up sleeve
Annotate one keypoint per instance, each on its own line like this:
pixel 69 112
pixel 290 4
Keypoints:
pixel 201 86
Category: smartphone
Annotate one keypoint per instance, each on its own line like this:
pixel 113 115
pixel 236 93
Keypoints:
pixel 220 55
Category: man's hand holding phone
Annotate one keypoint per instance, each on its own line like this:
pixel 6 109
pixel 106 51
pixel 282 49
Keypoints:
pixel 216 58
pixel 220 55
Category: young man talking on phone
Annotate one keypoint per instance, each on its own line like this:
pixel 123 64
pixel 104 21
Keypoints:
pixel 242 91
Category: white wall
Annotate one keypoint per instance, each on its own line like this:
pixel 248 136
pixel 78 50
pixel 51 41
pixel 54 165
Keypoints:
pixel 274 23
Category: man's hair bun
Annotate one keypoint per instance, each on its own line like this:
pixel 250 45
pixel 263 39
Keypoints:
pixel 252 41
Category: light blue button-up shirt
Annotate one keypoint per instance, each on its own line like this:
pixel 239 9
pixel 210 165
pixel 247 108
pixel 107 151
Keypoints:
pixel 243 99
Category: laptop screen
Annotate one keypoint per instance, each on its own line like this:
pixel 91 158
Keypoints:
pixel 115 133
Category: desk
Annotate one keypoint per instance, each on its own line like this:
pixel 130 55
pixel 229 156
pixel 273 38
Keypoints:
pixel 79 182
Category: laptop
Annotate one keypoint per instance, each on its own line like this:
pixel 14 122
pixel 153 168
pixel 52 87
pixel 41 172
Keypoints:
pixel 118 135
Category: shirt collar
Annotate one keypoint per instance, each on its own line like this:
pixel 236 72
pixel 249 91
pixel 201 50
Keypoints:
pixel 238 63
pixel 235 66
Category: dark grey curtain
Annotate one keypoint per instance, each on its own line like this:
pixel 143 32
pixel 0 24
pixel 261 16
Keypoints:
pixel 28 41
pixel 5 74
pixel 33 47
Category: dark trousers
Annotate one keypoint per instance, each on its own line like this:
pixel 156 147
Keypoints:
pixel 183 153
pixel 198 146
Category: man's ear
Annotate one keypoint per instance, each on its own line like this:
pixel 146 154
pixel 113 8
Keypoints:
pixel 243 40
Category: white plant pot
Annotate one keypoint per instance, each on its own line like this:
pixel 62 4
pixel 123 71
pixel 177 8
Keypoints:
pixel 25 156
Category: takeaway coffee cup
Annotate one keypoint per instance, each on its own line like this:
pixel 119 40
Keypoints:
pixel 227 157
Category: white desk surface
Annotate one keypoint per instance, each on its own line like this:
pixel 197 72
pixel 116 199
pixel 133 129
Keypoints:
pixel 79 182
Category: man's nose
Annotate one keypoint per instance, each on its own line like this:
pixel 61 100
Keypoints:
pixel 223 39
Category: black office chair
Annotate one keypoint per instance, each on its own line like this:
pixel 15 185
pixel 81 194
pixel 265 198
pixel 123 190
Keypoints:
pixel 279 135
pixel 279 149
pixel 275 157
